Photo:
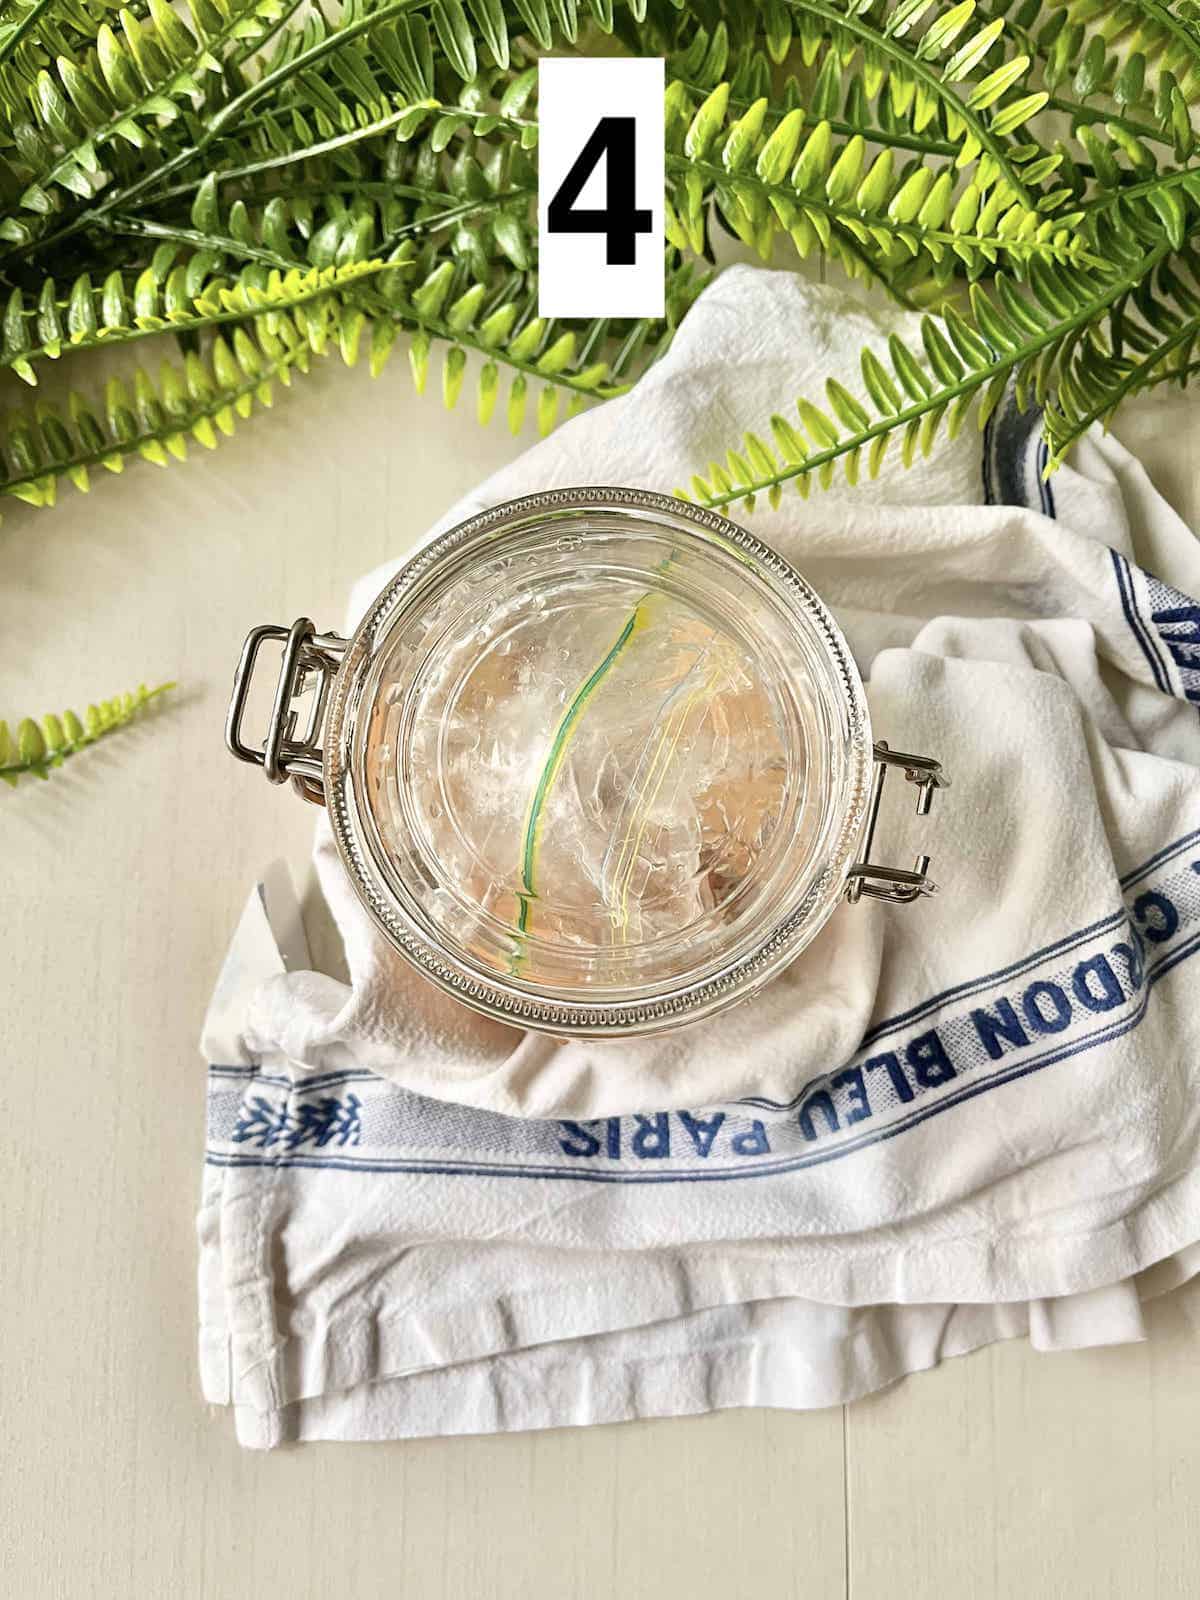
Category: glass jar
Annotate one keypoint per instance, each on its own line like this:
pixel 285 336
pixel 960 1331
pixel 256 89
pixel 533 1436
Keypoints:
pixel 597 761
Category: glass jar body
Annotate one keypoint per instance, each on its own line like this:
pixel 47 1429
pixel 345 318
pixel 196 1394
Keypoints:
pixel 598 762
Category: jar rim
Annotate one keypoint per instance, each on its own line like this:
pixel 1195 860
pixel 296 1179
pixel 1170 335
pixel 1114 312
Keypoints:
pixel 520 1004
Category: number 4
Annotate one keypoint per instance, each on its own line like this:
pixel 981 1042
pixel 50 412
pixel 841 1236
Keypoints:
pixel 619 220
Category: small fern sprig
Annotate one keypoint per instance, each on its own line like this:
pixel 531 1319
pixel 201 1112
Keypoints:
pixel 37 749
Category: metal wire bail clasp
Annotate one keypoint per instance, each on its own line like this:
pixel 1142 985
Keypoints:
pixel 286 751
pixel 895 883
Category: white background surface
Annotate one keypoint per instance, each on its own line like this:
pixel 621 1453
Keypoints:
pixel 1006 1473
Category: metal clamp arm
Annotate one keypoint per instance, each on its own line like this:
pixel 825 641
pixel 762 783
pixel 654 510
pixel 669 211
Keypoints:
pixel 286 752
pixel 896 883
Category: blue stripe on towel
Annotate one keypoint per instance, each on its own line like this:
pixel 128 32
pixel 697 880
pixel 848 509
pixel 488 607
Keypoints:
pixel 1138 626
pixel 1013 466
pixel 757 1169
pixel 1014 459
pixel 1069 998
pixel 1175 619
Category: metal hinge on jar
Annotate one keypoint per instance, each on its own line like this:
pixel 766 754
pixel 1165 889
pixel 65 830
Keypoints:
pixel 288 751
pixel 896 884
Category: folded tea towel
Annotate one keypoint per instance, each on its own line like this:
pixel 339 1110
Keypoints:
pixel 944 1124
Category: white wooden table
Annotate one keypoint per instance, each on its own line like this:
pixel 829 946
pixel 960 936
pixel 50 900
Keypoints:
pixel 1005 1473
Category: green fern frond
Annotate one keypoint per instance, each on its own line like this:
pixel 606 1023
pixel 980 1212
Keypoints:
pixel 582 361
pixel 33 33
pixel 201 398
pixel 279 323
pixel 823 193
pixel 984 117
pixel 1025 336
pixel 186 297
pixel 37 748
pixel 839 98
pixel 1154 341
pixel 1137 50
pixel 362 176
pixel 131 90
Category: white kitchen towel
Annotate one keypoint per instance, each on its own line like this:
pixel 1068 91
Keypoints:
pixel 943 1124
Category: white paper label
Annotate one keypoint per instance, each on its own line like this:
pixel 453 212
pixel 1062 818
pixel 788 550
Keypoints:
pixel 600 187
